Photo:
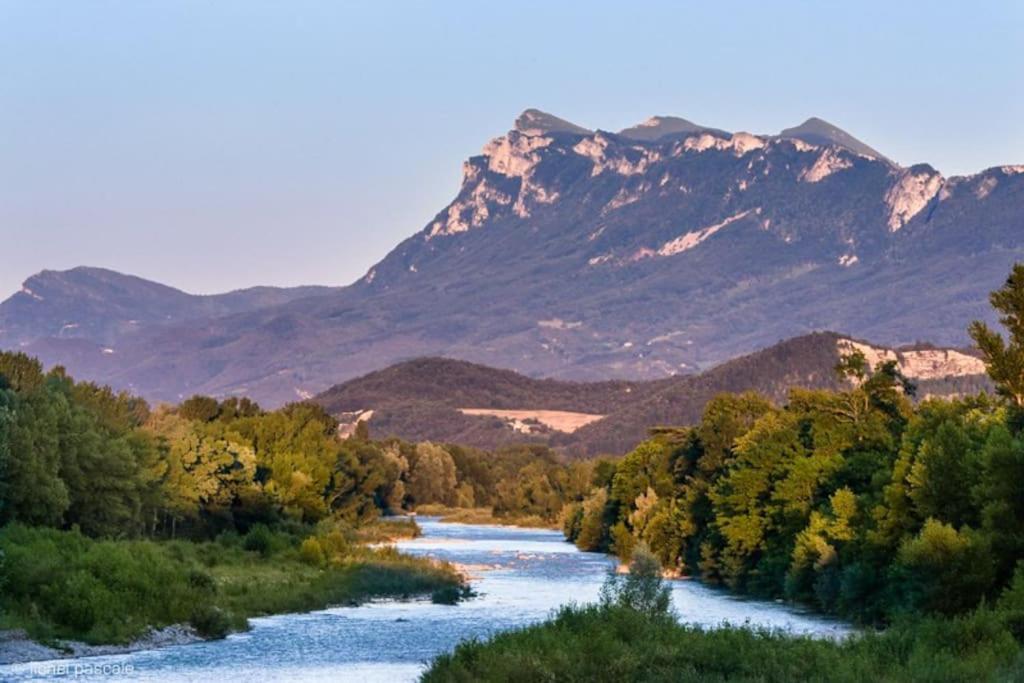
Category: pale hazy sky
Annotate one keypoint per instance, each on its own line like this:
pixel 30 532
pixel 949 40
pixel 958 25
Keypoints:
pixel 217 145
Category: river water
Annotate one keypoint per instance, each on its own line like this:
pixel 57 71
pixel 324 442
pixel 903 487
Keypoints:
pixel 521 575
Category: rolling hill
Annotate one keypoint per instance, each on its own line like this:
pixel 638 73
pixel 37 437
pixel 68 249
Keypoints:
pixel 448 400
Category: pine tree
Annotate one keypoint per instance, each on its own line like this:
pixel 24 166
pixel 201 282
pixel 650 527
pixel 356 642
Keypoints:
pixel 1004 359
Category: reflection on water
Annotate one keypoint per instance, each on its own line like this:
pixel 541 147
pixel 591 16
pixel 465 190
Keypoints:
pixel 520 574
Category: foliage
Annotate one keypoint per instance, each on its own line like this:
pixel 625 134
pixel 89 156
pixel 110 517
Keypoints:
pixel 642 589
pixel 1005 358
pixel 616 643
pixel 62 584
pixel 856 501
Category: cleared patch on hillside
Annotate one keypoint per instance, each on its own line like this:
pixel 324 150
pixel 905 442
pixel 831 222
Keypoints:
pixel 525 421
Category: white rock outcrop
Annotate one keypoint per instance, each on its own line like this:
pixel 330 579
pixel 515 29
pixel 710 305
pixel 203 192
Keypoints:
pixel 910 194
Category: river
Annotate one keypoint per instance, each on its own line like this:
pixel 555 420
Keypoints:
pixel 521 575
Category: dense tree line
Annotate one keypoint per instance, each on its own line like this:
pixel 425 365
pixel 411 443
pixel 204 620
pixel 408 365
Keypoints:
pixel 77 455
pixel 856 500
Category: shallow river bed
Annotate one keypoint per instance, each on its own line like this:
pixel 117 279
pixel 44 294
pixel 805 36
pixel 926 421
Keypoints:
pixel 521 575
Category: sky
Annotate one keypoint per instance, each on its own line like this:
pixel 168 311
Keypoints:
pixel 219 145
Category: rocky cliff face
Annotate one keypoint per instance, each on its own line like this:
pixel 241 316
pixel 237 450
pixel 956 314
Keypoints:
pixel 662 249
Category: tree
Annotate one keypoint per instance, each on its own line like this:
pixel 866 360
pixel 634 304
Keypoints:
pixel 642 589
pixel 200 409
pixel 593 523
pixel 34 491
pixel 6 421
pixel 944 570
pixel 432 476
pixel 1004 360
pixel 20 372
pixel 207 474
pixel 644 468
pixel 744 510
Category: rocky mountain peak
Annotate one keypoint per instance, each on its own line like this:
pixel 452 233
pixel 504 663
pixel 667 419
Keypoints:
pixel 537 122
pixel 658 127
pixel 582 255
pixel 816 131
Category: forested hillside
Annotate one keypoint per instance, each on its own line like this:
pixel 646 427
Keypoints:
pixel 425 399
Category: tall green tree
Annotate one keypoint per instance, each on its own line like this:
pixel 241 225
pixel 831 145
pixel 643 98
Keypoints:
pixel 432 476
pixel 1004 359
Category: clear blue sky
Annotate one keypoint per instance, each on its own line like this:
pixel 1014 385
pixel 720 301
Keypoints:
pixel 216 145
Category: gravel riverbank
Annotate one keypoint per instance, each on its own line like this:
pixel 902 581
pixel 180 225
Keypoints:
pixel 17 648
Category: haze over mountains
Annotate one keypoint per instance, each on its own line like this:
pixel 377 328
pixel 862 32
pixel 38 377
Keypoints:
pixel 105 306
pixel 666 248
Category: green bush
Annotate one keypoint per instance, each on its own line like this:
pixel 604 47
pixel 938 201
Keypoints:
pixel 210 621
pixel 61 584
pixel 311 552
pixel 201 581
pixel 642 589
pixel 260 539
pixel 448 595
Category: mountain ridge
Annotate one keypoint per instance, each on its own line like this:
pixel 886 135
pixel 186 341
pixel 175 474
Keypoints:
pixel 588 255
pixel 101 305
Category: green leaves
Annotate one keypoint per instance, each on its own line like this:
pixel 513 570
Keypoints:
pixel 1004 360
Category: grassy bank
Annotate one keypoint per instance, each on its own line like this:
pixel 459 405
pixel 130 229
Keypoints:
pixel 614 643
pixel 388 529
pixel 632 635
pixel 484 515
pixel 63 585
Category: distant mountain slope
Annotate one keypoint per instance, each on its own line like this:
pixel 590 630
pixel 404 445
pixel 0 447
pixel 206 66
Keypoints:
pixel 589 255
pixel 658 127
pixel 425 399
pixel 462 384
pixel 815 131
pixel 103 306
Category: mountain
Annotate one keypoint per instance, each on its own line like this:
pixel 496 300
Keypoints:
pixel 815 131
pixel 536 122
pixel 447 400
pixel 102 307
pixel 658 127
pixel 589 255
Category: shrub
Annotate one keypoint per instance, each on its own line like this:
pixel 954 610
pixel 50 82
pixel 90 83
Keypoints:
pixel 259 540
pixel 311 552
pixel 449 595
pixel 641 590
pixel 201 581
pixel 210 621
pixel 617 643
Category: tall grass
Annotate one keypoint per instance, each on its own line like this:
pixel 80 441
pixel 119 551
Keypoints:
pixel 615 643
pixel 632 635
pixel 63 585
